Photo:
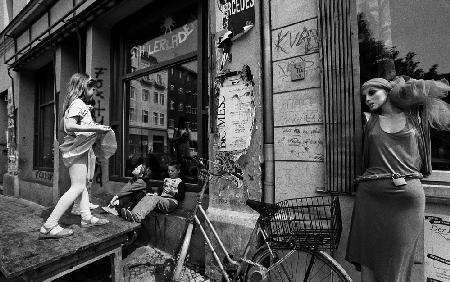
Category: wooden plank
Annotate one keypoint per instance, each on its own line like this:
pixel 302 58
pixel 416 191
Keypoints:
pixel 116 266
pixel 21 250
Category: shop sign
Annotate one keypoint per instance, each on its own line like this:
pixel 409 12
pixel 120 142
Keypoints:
pixel 238 15
pixel 180 40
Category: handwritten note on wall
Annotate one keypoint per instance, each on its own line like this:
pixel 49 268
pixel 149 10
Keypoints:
pixel 282 73
pixel 294 40
pixel 298 107
pixel 300 143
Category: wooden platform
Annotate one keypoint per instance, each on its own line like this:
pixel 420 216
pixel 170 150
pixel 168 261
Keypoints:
pixel 24 256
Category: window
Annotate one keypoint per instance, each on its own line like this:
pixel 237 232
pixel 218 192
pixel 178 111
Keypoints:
pixel 132 93
pixel 390 46
pixel 145 116
pixel 194 111
pixel 188 109
pixel 155 118
pixel 132 114
pixel 44 119
pixel 159 139
pixel 180 107
pixel 145 94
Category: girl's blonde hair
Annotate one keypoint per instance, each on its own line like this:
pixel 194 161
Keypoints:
pixel 77 88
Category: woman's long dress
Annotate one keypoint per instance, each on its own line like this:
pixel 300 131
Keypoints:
pixel 387 220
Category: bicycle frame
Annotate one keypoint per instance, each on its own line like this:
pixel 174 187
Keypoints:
pixel 238 264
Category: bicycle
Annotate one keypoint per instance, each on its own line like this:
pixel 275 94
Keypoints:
pixel 294 233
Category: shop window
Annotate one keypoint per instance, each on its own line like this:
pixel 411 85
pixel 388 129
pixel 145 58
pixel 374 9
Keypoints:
pixel 145 116
pixel 44 119
pixel 145 94
pixel 162 46
pixel 411 40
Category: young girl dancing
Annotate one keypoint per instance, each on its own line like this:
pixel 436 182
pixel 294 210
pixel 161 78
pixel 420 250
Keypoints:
pixel 82 133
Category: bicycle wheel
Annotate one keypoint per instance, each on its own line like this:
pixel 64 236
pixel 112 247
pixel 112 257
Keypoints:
pixel 319 266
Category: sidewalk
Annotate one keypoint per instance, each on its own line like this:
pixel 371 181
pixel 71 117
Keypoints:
pixel 148 264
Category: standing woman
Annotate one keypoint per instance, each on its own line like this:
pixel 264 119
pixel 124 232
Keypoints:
pixel 81 134
pixel 390 202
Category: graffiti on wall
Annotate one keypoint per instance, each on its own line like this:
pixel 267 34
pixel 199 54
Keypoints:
pixel 299 143
pixel 295 40
pixel 99 113
pixel 298 107
pixel 282 73
pixel 99 108
pixel 46 176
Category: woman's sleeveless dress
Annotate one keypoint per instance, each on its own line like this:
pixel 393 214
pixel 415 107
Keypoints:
pixel 388 220
pixel 76 144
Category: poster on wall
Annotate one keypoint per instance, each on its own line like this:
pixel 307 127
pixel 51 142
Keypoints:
pixel 235 114
pixel 238 16
pixel 437 248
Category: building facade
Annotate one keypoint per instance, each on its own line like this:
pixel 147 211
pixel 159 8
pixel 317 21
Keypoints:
pixel 268 88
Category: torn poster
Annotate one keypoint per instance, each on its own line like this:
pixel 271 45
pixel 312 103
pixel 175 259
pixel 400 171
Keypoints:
pixel 437 247
pixel 235 114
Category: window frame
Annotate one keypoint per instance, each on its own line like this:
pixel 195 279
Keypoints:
pixel 119 104
pixel 39 123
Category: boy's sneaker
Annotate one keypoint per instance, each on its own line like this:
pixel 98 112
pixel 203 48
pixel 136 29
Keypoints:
pixel 110 210
pixel 128 215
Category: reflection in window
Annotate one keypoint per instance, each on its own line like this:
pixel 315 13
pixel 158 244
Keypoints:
pixel 393 42
pixel 165 135
pixel 132 114
pixel 145 94
pixel 132 93
pixel 154 43
pixel 145 116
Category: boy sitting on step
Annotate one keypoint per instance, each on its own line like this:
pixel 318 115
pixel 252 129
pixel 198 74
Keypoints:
pixel 165 201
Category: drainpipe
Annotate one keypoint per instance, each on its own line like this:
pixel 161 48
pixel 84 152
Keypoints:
pixel 14 106
pixel 266 58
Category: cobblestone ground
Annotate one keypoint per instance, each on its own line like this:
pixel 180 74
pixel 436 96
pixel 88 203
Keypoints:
pixel 149 264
